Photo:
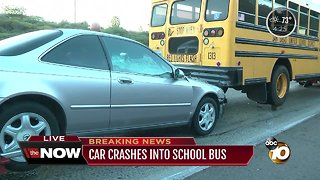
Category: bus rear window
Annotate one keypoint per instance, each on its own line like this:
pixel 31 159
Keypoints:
pixel 24 43
pixel 184 45
pixel 159 14
pixel 185 11
pixel 217 10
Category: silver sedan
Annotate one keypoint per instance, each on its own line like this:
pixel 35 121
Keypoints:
pixel 77 82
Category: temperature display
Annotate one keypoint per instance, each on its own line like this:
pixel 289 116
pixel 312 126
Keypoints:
pixel 281 22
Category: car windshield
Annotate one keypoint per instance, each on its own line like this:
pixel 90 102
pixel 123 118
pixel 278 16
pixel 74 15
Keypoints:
pixel 186 11
pixel 24 43
pixel 159 15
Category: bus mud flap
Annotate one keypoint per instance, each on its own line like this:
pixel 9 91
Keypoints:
pixel 257 92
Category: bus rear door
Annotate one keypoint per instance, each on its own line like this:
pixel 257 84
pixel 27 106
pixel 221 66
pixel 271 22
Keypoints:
pixel 184 32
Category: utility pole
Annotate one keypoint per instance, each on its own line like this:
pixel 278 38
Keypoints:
pixel 75 11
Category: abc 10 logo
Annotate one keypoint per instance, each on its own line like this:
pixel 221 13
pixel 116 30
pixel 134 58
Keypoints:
pixel 279 152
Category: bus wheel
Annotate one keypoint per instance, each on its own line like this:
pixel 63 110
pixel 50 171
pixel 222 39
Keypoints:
pixel 278 88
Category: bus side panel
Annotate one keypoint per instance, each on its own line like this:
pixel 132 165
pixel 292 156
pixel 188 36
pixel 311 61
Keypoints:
pixel 254 67
pixel 305 66
pixel 253 43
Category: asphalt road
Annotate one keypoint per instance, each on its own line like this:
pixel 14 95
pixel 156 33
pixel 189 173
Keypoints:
pixel 245 122
pixel 303 163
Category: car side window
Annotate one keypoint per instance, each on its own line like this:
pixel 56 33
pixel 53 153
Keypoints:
pixel 83 51
pixel 132 57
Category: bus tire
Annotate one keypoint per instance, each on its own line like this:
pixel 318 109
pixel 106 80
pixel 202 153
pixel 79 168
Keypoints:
pixel 279 86
pixel 301 83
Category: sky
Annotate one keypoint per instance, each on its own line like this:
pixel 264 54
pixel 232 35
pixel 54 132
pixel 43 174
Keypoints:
pixel 133 13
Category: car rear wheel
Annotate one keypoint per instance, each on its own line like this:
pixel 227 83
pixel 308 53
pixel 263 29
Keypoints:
pixel 205 117
pixel 18 123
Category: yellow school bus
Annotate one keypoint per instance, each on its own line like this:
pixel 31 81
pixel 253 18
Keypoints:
pixel 227 43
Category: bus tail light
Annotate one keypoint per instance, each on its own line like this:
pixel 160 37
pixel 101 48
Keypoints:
pixel 220 32
pixel 213 32
pixel 158 35
pixel 206 33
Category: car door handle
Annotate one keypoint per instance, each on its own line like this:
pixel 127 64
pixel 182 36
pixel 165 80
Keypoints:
pixel 125 81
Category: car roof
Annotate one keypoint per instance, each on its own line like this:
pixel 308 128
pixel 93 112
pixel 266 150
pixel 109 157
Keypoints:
pixel 70 32
pixel 65 34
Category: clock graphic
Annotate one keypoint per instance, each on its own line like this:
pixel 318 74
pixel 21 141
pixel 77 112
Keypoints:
pixel 281 22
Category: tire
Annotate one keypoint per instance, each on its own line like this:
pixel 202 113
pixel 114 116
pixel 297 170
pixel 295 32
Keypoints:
pixel 211 113
pixel 38 116
pixel 308 84
pixel 279 86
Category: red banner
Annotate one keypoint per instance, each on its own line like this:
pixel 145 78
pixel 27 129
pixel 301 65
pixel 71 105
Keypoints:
pixel 131 151
pixel 167 155
pixel 139 141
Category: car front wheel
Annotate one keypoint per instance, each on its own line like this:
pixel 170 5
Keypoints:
pixel 205 117
pixel 18 123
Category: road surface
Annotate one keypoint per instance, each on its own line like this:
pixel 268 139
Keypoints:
pixel 245 122
pixel 303 163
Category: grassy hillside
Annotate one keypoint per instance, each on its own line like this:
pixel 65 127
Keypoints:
pixel 14 24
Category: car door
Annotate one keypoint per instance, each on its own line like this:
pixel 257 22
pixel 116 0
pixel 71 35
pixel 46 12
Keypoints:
pixel 143 91
pixel 79 77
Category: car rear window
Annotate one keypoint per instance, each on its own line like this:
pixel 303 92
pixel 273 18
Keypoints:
pixel 24 43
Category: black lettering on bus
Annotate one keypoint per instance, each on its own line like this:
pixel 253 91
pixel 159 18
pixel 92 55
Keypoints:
pixel 169 57
pixel 275 39
pixel 293 40
pixel 180 30
pixel 302 42
pixel 311 43
pixel 283 40
pixel 212 56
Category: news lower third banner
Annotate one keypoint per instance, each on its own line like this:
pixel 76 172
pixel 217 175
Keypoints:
pixel 113 151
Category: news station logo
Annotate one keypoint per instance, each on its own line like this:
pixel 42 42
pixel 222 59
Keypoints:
pixel 279 152
pixel 53 150
pixel 58 153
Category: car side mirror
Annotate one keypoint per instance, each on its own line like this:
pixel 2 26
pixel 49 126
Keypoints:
pixel 178 74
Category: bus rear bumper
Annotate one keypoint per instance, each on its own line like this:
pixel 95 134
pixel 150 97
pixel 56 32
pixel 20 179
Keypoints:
pixel 219 76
